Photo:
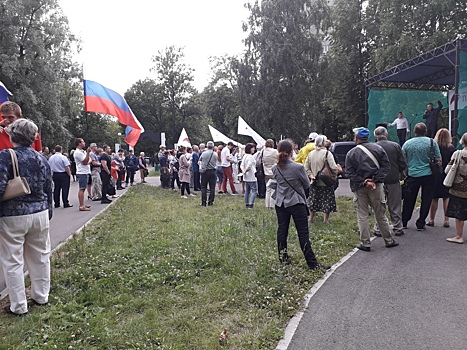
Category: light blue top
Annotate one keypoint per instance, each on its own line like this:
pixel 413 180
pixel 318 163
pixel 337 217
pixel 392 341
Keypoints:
pixel 417 152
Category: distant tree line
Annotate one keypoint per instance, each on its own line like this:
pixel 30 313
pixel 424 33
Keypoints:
pixel 282 84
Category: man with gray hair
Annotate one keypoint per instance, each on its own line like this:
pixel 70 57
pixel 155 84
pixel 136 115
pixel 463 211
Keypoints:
pixel 392 180
pixel 207 168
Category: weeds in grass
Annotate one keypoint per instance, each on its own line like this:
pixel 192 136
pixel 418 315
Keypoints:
pixel 157 272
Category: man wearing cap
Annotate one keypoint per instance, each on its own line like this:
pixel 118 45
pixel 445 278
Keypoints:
pixel 310 146
pixel 131 163
pixel 367 166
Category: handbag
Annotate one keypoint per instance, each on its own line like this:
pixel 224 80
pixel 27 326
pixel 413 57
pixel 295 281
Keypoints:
pixel 18 186
pixel 451 171
pixel 326 175
pixel 436 168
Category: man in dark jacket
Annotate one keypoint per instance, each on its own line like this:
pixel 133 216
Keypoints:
pixel 431 115
pixel 392 181
pixel 366 166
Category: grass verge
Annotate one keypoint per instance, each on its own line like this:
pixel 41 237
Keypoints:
pixel 159 272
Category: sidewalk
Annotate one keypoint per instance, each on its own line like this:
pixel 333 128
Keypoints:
pixel 409 297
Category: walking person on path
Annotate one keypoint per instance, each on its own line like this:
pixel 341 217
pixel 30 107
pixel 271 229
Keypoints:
pixel 366 166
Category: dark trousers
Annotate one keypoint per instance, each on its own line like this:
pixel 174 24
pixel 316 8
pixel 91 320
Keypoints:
pixel 261 186
pixel 196 181
pixel 121 175
pixel 209 177
pixel 105 178
pixel 300 217
pixel 174 178
pixel 61 183
pixel 428 185
pixel 130 175
pixel 401 135
pixel 431 130
pixel 185 187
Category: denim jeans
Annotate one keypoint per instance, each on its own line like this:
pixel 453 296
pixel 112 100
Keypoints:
pixel 251 188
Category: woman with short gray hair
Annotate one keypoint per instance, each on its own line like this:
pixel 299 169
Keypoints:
pixel 24 221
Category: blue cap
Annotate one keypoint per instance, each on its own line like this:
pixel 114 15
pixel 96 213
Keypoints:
pixel 361 133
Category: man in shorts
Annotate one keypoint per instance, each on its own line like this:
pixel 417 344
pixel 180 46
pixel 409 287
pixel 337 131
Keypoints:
pixel 83 171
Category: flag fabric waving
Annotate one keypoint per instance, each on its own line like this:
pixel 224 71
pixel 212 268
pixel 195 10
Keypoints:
pixel 132 135
pixel 245 129
pixel 183 140
pixel 217 136
pixel 99 99
pixel 4 93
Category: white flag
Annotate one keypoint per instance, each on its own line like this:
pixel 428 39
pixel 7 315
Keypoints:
pixel 217 136
pixel 183 140
pixel 245 129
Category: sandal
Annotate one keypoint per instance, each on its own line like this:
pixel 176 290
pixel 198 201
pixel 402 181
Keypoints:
pixel 431 223
pixel 446 224
pixel 85 208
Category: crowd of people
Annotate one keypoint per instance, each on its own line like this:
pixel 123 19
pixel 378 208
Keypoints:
pixel 297 183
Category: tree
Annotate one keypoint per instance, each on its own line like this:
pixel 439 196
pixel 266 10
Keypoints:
pixel 35 62
pixel 281 65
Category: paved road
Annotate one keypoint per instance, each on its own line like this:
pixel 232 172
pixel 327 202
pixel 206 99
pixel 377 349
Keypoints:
pixel 410 297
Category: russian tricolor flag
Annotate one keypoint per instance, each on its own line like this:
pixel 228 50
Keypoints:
pixel 99 99
pixel 4 93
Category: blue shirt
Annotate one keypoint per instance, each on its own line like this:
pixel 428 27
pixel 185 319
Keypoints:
pixel 36 170
pixel 194 162
pixel 417 152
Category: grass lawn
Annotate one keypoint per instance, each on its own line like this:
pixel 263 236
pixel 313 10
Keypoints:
pixel 159 272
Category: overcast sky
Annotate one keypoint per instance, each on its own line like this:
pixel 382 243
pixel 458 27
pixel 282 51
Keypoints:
pixel 120 37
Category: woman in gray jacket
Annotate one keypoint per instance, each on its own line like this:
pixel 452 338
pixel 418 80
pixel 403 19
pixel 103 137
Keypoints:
pixel 291 191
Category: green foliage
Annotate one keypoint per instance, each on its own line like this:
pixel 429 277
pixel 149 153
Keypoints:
pixel 35 63
pixel 155 271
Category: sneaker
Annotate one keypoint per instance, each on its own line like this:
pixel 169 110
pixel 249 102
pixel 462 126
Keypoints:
pixel 184 197
pixel 400 233
pixel 235 193
pixel 192 195
pixel 377 234
pixel 364 248
pixel 458 240
pixel 220 192
pixel 393 244
pixel 421 228
pixel 404 225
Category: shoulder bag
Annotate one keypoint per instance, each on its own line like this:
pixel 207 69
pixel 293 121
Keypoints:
pixel 451 171
pixel 17 186
pixel 436 167
pixel 325 174
pixel 203 170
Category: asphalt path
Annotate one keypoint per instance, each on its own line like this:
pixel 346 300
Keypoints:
pixel 409 297
pixel 66 221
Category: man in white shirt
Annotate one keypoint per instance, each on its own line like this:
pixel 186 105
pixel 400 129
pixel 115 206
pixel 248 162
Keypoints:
pixel 83 171
pixel 226 163
pixel 60 166
pixel 402 126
